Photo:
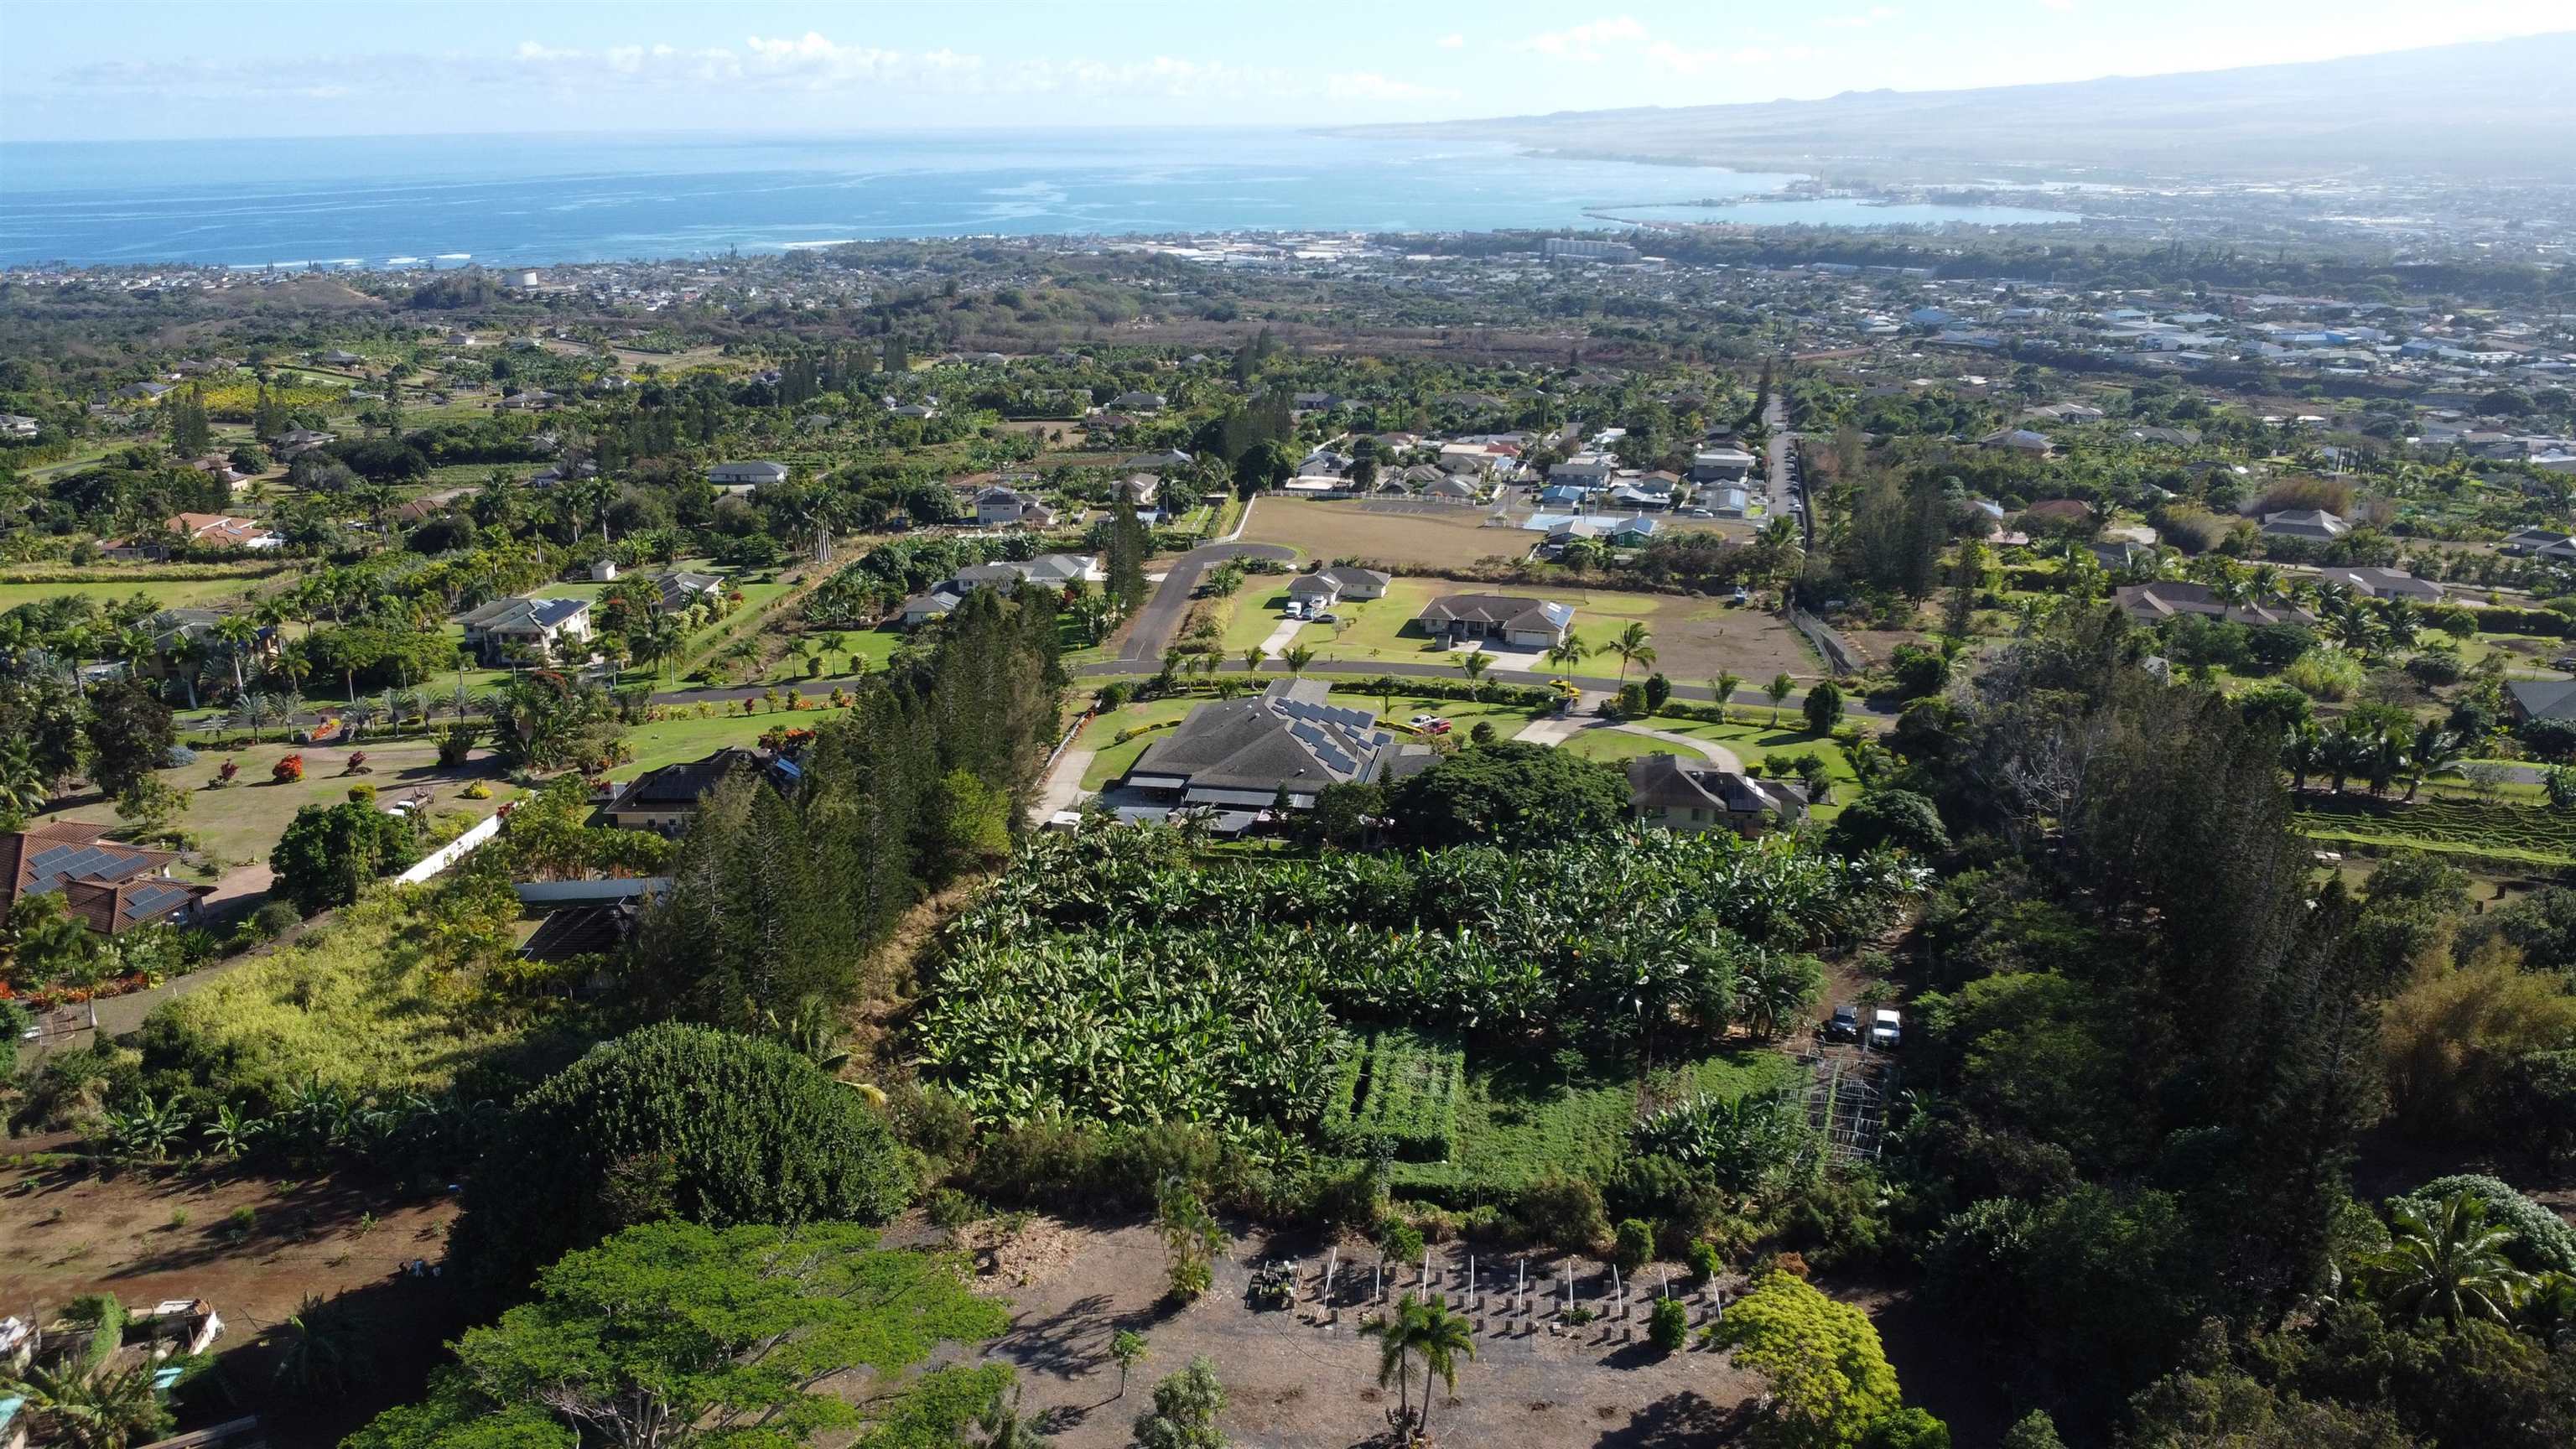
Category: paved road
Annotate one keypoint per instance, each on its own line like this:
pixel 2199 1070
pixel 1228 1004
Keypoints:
pixel 1782 448
pixel 1155 624
pixel 1368 669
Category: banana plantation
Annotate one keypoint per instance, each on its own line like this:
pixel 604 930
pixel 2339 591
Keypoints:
pixel 1113 978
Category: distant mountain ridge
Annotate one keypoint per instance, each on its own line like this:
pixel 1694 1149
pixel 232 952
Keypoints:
pixel 2487 111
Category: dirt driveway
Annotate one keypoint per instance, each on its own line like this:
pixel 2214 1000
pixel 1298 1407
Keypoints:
pixel 1307 1377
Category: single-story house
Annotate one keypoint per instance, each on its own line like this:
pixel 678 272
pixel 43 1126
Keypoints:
pixel 1137 489
pixel 1047 570
pixel 1523 623
pixel 1140 402
pixel 676 589
pixel 2019 440
pixel 548 627
pixel 2170 598
pixel 2120 553
pixel 1159 462
pixel 216 530
pixel 1451 490
pixel 1239 755
pixel 745 476
pixel 1327 587
pixel 2056 510
pixel 666 800
pixel 18 425
pixel 109 887
pixel 2384 583
pixel 2310 523
pixel 2531 699
pixel 1695 796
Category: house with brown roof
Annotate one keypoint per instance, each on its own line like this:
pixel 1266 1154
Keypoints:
pixel 110 887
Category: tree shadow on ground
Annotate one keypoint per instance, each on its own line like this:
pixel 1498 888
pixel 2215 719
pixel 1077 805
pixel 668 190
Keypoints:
pixel 1685 1420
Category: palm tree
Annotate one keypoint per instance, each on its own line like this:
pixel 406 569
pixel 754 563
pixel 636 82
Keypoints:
pixel 1780 688
pixel 2447 1263
pixel 238 633
pixel 1444 1338
pixel 1473 665
pixel 87 1406
pixel 2302 751
pixel 1252 658
pixel 2434 750
pixel 357 715
pixel 1567 652
pixel 1631 647
pixel 319 1353
pixel 23 787
pixel 1297 657
pixel 1723 688
pixel 1397 1335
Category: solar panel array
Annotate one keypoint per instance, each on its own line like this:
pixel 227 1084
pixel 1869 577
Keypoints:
pixel 157 899
pixel 1326 748
pixel 1357 719
pixel 52 867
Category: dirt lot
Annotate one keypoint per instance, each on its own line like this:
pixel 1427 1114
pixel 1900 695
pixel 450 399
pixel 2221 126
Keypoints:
pixel 1431 541
pixel 1308 1377
pixel 146 1237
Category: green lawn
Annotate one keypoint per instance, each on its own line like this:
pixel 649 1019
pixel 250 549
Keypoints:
pixel 691 736
pixel 1521 1119
pixel 1380 628
pixel 167 593
pixel 241 823
pixel 1613 745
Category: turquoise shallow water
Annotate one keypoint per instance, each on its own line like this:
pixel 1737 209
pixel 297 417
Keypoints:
pixel 534 199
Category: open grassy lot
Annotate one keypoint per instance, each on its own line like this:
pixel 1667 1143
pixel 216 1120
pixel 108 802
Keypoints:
pixel 167 593
pixel 691 736
pixel 240 824
pixel 1322 532
pixel 1754 742
pixel 1693 638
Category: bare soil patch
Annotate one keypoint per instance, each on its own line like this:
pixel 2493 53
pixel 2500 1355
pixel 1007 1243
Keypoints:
pixel 1430 541
pixel 146 1236
pixel 1307 1376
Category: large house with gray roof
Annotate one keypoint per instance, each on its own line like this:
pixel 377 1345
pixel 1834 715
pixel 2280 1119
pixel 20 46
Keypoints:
pixel 1235 757
pixel 1522 623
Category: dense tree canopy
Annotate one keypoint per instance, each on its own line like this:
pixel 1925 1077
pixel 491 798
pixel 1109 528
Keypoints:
pixel 673 1121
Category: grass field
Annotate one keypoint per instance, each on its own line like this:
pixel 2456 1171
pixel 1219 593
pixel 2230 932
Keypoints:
pixel 166 593
pixel 1753 743
pixel 1693 638
pixel 691 737
pixel 1521 1119
pixel 241 823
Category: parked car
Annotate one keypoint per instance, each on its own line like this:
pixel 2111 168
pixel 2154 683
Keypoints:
pixel 1886 1029
pixel 1295 610
pixel 1844 1024
pixel 1325 616
pixel 1430 724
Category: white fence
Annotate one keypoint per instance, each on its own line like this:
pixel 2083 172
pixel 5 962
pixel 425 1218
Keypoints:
pixel 452 852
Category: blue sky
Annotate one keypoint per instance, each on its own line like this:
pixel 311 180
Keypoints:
pixel 143 69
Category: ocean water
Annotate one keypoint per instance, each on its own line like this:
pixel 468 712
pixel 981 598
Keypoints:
pixel 377 201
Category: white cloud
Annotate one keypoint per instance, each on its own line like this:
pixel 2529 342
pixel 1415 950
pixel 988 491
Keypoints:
pixel 1682 60
pixel 1453 41
pixel 1865 19
pixel 1590 41
pixel 1368 85
pixel 2061 6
